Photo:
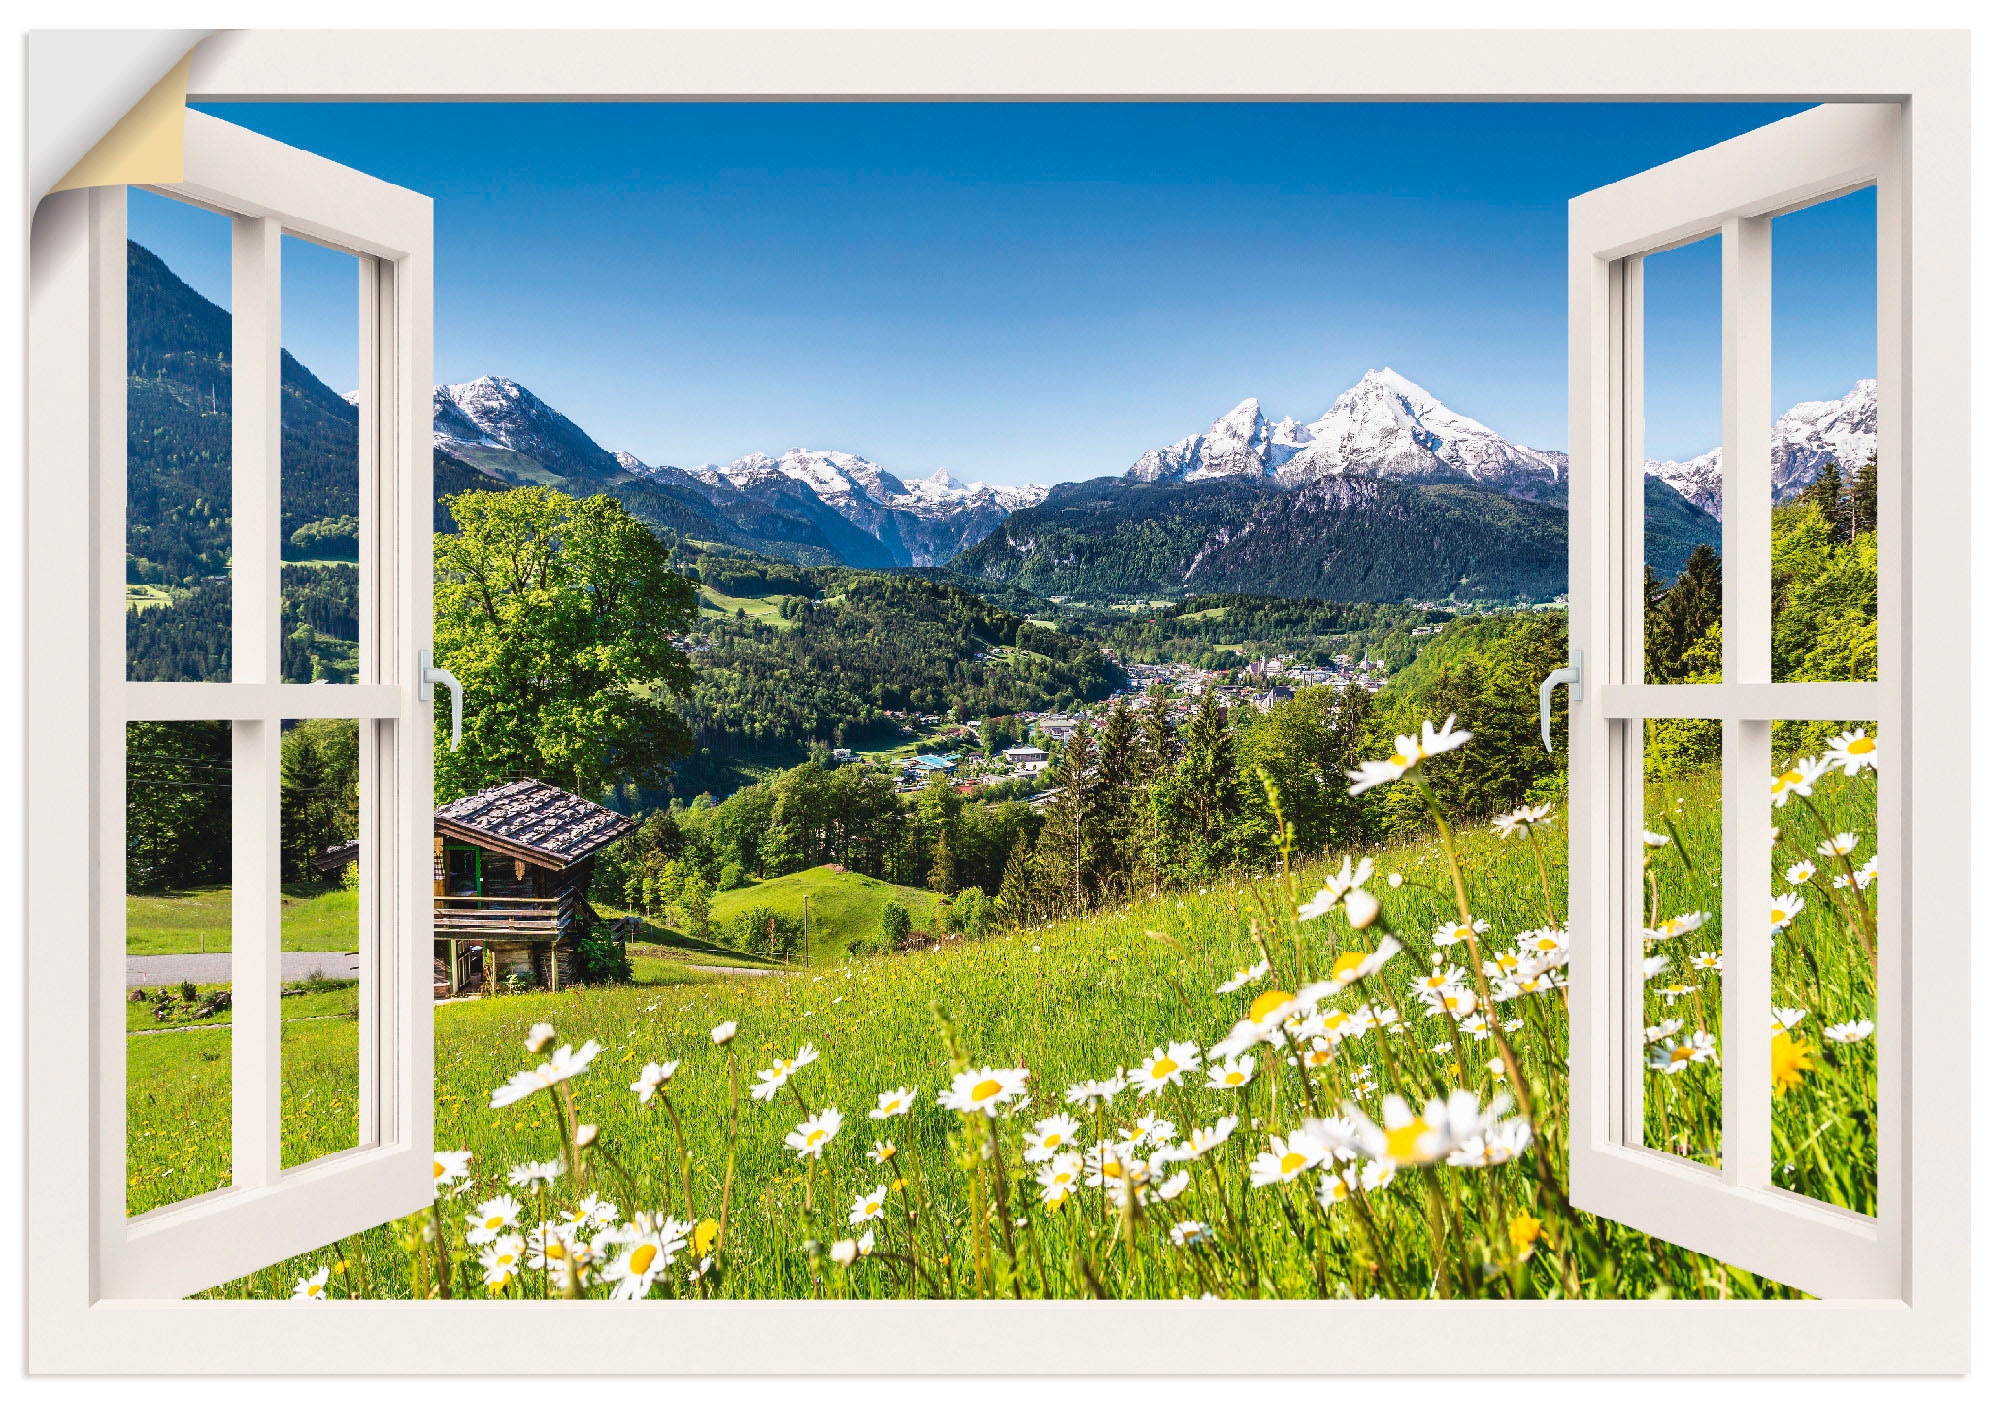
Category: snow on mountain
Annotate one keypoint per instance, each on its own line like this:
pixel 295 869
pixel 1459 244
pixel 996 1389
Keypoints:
pixel 502 427
pixel 1242 443
pixel 853 485
pixel 1385 426
pixel 1805 438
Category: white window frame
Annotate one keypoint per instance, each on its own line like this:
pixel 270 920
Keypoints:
pixel 1922 1325
pixel 1734 190
pixel 267 192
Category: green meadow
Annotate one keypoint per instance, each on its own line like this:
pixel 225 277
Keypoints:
pixel 1081 999
pixel 197 920
pixel 843 906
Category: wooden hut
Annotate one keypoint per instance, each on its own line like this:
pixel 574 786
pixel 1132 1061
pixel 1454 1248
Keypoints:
pixel 512 874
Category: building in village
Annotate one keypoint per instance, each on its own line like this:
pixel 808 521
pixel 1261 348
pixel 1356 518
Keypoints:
pixel 1027 759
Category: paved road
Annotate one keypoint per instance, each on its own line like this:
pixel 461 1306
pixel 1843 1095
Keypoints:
pixel 148 970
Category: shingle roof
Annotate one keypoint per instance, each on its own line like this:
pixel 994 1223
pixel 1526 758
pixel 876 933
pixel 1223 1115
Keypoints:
pixel 547 826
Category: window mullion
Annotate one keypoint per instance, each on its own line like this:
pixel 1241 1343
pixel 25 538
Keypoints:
pixel 1746 659
pixel 257 657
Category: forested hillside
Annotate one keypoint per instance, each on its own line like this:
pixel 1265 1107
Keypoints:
pixel 1347 539
pixel 847 645
pixel 1227 630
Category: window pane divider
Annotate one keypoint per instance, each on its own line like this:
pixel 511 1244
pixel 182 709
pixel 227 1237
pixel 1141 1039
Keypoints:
pixel 1742 701
pixel 254 701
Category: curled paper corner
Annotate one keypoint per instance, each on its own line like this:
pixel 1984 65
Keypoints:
pixel 146 145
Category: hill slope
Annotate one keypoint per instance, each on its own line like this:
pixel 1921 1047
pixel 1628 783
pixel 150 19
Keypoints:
pixel 844 906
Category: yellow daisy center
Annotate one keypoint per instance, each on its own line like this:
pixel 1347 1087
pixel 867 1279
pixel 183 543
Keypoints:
pixel 1164 1068
pixel 1683 1054
pixel 986 1090
pixel 1404 1138
pixel 1351 961
pixel 1861 745
pixel 1267 1002
pixel 1234 1079
pixel 1291 1163
pixel 642 1257
pixel 813 1137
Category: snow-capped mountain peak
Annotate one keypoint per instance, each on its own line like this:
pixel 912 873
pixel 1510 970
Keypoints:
pixel 1804 439
pixel 1383 426
pixel 497 422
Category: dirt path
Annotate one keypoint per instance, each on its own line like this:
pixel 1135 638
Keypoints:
pixel 145 971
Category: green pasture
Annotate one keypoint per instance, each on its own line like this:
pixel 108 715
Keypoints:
pixel 197 920
pixel 844 906
pixel 1078 999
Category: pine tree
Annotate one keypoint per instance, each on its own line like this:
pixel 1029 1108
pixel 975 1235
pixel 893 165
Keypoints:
pixel 1861 501
pixel 1158 747
pixel 1200 802
pixel 1017 886
pixel 1111 819
pixel 943 877
pixel 1826 493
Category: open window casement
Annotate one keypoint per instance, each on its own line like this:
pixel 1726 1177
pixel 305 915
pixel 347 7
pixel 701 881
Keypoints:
pixel 104 1285
pixel 1736 190
pixel 272 196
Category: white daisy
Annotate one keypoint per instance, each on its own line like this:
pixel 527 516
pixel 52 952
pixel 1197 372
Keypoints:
pixel 1853 751
pixel 1785 908
pixel 449 1166
pixel 1856 1031
pixel 311 1288
pixel 1799 780
pixel 566 1063
pixel 491 1218
pixel 889 1104
pixel 1520 820
pixel 868 1207
pixel 1243 978
pixel 501 1259
pixel 524 1176
pixel 1288 1158
pixel 638 1255
pixel 984 1089
pixel 1237 1072
pixel 814 1134
pixel 1164 1068
pixel 1050 1134
pixel 652 1077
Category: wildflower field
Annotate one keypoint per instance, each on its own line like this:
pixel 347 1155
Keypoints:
pixel 1338 1080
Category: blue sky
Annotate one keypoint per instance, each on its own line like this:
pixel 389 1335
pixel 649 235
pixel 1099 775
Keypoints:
pixel 1034 291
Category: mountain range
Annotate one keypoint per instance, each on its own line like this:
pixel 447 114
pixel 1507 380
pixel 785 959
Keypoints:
pixel 1384 427
pixel 818 506
pixel 1804 439
pixel 1389 494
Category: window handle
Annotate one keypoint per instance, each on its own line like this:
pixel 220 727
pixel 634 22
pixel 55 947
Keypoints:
pixel 428 675
pixel 1569 676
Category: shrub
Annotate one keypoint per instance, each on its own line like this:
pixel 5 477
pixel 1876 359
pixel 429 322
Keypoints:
pixel 971 912
pixel 895 924
pixel 758 930
pixel 731 877
pixel 601 958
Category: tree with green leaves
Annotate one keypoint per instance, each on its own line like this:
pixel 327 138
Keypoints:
pixel 560 615
pixel 319 782
pixel 177 810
